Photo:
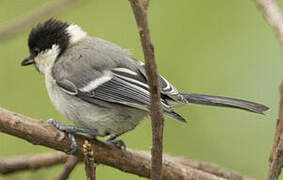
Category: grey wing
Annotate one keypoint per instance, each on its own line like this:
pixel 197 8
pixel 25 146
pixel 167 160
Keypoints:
pixel 102 73
pixel 167 90
pixel 120 85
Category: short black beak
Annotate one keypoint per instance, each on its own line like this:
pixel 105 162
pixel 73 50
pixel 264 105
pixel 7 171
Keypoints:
pixel 28 61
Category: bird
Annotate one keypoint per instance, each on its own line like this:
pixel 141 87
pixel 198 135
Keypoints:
pixel 100 87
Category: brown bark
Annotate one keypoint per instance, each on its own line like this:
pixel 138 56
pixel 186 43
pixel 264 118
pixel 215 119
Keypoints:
pixel 90 169
pixel 274 17
pixel 157 119
pixel 70 164
pixel 30 162
pixel 276 156
pixel 40 133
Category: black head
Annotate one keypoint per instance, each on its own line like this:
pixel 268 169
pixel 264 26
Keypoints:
pixel 44 35
pixel 51 32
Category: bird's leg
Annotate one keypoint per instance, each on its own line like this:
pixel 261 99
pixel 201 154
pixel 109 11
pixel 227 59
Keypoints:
pixel 71 130
pixel 117 142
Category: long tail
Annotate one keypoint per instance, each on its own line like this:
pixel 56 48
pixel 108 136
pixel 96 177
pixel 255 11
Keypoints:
pixel 225 102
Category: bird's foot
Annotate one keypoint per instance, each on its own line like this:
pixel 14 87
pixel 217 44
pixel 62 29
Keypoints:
pixel 116 142
pixel 71 130
pixel 74 145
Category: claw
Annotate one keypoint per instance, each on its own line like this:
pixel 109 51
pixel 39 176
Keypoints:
pixel 51 121
pixel 118 143
pixel 74 145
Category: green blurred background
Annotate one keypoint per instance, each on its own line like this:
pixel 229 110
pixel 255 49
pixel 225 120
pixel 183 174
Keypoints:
pixel 216 47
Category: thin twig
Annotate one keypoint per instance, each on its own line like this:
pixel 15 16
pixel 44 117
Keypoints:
pixel 153 82
pixel 19 25
pixel 145 4
pixel 89 161
pixel 30 162
pixel 209 168
pixel 276 156
pixel 275 19
pixel 40 133
pixel 69 165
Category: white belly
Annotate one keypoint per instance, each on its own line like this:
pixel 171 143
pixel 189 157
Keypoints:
pixel 106 120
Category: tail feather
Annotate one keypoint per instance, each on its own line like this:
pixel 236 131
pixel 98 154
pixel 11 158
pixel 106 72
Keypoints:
pixel 176 116
pixel 224 102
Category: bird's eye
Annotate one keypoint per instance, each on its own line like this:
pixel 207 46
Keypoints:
pixel 36 50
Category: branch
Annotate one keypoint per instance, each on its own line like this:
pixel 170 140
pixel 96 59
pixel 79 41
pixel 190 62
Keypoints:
pixel 145 4
pixel 70 164
pixel 13 163
pixel 31 162
pixel 17 26
pixel 274 17
pixel 40 133
pixel 89 161
pixel 276 156
pixel 153 82
pixel 209 168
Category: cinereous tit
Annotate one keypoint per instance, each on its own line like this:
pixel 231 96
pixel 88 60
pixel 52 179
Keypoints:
pixel 98 85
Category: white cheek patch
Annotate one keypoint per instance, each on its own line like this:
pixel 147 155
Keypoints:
pixel 45 60
pixel 76 33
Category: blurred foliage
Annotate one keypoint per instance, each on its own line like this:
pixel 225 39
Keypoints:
pixel 216 47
